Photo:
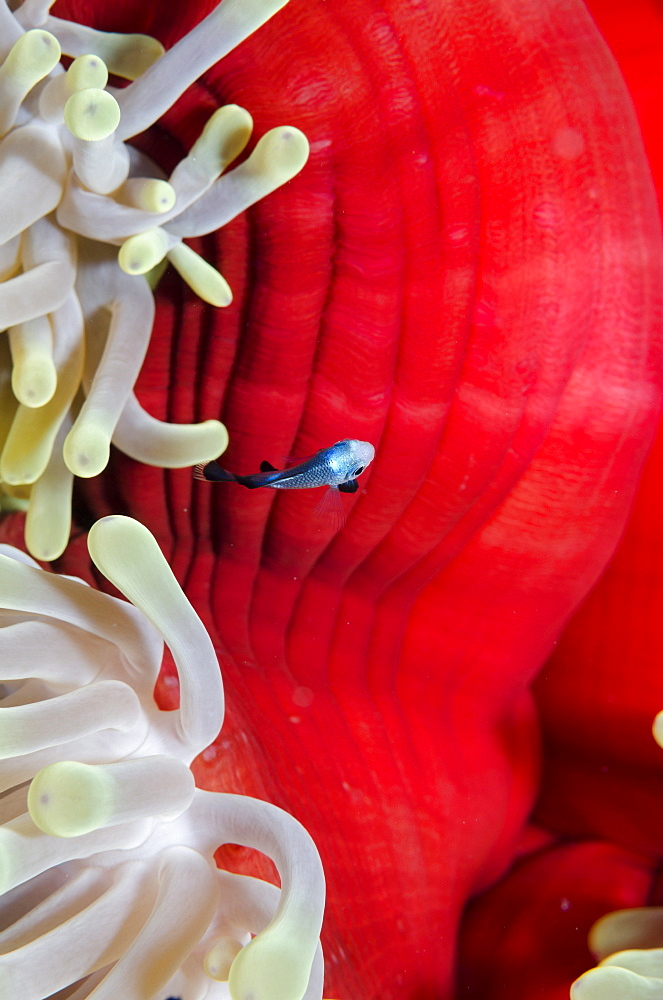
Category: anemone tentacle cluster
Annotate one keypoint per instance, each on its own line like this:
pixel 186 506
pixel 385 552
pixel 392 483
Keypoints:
pixel 109 886
pixel 85 219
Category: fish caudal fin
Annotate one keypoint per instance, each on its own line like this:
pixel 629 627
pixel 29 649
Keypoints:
pixel 212 472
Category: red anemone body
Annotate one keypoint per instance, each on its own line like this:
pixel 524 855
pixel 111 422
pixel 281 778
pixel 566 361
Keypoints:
pixel 468 274
pixel 598 695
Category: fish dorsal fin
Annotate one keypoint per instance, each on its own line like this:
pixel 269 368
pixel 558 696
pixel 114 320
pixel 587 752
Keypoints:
pixel 267 467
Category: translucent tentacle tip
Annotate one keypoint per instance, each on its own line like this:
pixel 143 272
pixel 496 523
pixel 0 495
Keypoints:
pixel 34 383
pixel 86 450
pixel 128 56
pixel 87 72
pixel 140 253
pixel 92 114
pixel 69 799
pixel 200 276
pixel 281 153
pixel 657 729
pixel 148 194
pixel 612 983
pixel 219 958
pixel 273 966
pixel 223 138
pixel 31 58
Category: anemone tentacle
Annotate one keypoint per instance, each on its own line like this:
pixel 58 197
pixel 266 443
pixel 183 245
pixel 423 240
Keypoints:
pixel 106 847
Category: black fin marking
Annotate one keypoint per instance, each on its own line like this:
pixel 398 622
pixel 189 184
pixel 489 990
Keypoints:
pixel 350 487
pixel 268 467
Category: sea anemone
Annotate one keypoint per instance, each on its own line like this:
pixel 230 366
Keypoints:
pixel 107 849
pixel 85 221
pixel 468 274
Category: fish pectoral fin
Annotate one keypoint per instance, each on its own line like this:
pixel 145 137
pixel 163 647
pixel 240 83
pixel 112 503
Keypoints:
pixel 350 487
pixel 268 467
pixel 329 511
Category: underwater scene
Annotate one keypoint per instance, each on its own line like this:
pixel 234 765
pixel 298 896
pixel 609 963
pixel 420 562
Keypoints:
pixel 331 596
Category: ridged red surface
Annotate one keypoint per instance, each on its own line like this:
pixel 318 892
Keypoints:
pixel 598 695
pixel 468 273
pixel 617 635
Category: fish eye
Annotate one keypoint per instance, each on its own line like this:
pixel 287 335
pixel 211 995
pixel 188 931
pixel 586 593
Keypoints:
pixel 358 471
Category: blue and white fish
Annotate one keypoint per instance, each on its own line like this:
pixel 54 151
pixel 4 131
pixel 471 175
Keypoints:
pixel 337 467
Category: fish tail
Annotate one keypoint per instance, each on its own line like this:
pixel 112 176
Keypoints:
pixel 212 472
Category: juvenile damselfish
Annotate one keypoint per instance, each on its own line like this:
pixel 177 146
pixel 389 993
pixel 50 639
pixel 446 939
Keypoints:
pixel 337 467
